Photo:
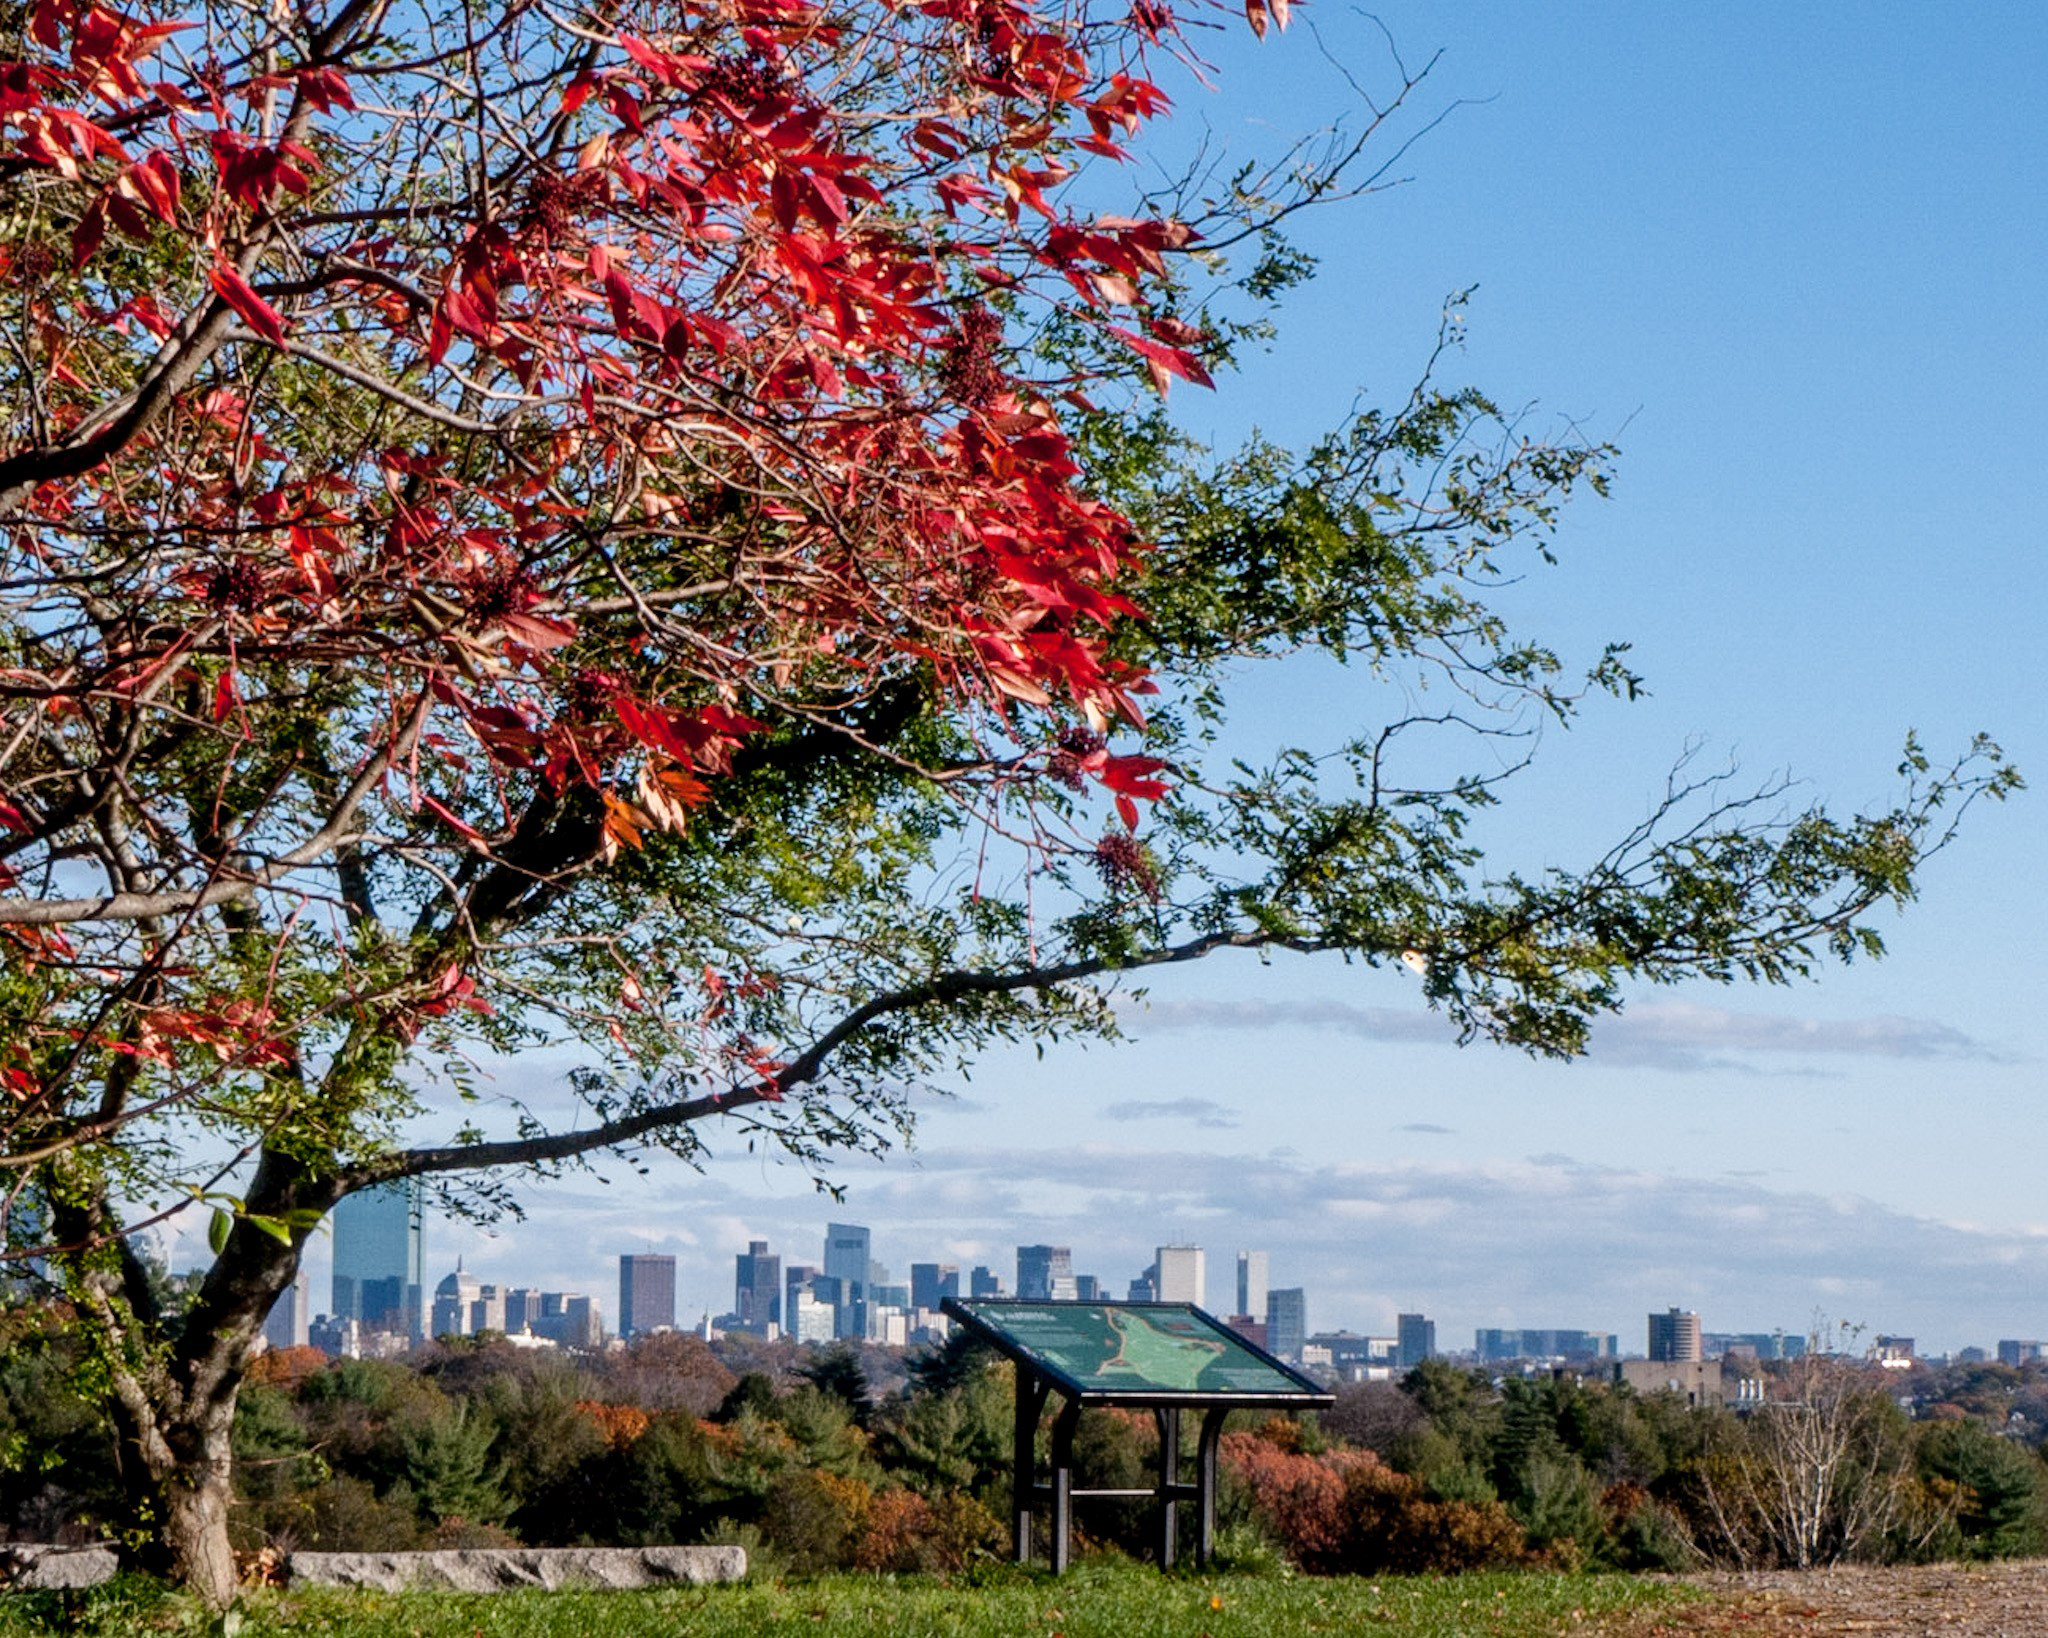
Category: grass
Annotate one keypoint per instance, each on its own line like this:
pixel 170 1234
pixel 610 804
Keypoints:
pixel 1096 1601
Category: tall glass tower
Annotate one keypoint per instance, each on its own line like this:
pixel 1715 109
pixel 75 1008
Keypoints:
pixel 846 1260
pixel 379 1258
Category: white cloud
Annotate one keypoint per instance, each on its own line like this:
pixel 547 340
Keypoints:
pixel 1670 1035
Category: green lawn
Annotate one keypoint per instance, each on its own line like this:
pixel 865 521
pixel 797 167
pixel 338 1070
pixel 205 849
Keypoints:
pixel 1115 1601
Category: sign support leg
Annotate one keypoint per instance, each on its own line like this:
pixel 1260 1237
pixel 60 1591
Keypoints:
pixel 1024 1463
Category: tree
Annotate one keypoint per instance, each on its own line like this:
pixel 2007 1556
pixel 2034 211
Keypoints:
pixel 645 527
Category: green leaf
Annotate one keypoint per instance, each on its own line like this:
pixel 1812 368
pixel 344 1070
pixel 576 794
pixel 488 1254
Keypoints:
pixel 217 1231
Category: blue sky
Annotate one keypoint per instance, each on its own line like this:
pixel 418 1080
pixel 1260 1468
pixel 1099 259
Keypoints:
pixel 1793 261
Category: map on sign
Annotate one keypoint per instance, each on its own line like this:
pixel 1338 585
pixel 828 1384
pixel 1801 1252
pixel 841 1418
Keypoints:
pixel 1108 1348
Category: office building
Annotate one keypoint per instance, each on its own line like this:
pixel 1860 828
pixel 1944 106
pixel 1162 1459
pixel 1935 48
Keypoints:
pixel 290 1319
pixel 647 1294
pixel 757 1289
pixel 985 1282
pixel 1251 1284
pixel 2019 1350
pixel 1286 1322
pixel 847 1255
pixel 1499 1346
pixel 1181 1275
pixel 379 1271
pixel 1414 1340
pixel 1675 1338
pixel 454 1298
pixel 797 1279
pixel 1040 1269
pixel 1087 1288
pixel 932 1283
pixel 522 1308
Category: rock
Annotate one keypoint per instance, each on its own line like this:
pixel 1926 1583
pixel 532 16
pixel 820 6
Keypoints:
pixel 27 1566
pixel 504 1569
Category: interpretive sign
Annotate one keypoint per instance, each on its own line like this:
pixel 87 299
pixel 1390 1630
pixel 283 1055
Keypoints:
pixel 1132 1353
pixel 1166 1357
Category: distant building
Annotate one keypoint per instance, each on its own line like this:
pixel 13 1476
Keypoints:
pixel 1675 1338
pixel 522 1308
pixel 1895 1353
pixel 487 1311
pixel 379 1267
pixel 1251 1283
pixel 1040 1269
pixel 1751 1345
pixel 1286 1322
pixel 2019 1352
pixel 757 1289
pixel 647 1294
pixel 1087 1288
pixel 796 1277
pixel 1414 1340
pixel 1698 1381
pixel 1142 1289
pixel 809 1319
pixel 1253 1331
pixel 847 1254
pixel 570 1318
pixel 1181 1274
pixel 1496 1347
pixel 454 1297
pixel 984 1282
pixel 289 1323
pixel 932 1283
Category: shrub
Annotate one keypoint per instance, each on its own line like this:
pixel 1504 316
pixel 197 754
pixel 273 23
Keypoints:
pixel 1389 1524
pixel 814 1519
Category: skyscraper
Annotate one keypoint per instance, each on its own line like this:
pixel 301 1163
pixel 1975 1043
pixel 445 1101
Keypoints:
pixel 1182 1275
pixel 932 1283
pixel 647 1294
pixel 1675 1337
pixel 379 1266
pixel 846 1260
pixel 984 1282
pixel 1042 1270
pixel 1287 1322
pixel 757 1288
pixel 1415 1340
pixel 1251 1284
pixel 286 1325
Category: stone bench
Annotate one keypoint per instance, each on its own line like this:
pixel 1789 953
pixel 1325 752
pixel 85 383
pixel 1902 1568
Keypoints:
pixel 508 1569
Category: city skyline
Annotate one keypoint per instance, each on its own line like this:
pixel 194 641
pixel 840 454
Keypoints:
pixel 1044 1271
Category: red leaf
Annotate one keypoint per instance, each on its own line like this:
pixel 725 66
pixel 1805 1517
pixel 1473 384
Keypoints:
pixel 1127 811
pixel 225 696
pixel 468 832
pixel 1164 361
pixel 257 313
pixel 90 233
pixel 1255 14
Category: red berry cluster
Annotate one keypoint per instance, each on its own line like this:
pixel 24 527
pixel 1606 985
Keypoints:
pixel 235 585
pixel 1123 865
pixel 971 372
pixel 1076 745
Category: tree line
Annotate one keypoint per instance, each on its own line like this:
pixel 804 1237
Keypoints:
pixel 823 1461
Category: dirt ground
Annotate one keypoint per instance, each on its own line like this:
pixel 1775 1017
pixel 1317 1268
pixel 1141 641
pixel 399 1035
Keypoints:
pixel 1949 1600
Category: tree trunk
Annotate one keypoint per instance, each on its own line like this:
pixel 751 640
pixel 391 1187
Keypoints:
pixel 195 1527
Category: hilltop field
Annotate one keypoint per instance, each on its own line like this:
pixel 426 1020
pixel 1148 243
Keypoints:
pixel 1129 1601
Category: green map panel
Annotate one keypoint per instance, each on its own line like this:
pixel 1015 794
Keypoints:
pixel 1108 1348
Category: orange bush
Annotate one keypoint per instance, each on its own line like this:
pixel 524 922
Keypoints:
pixel 897 1521
pixel 1347 1511
pixel 286 1367
pixel 621 1425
